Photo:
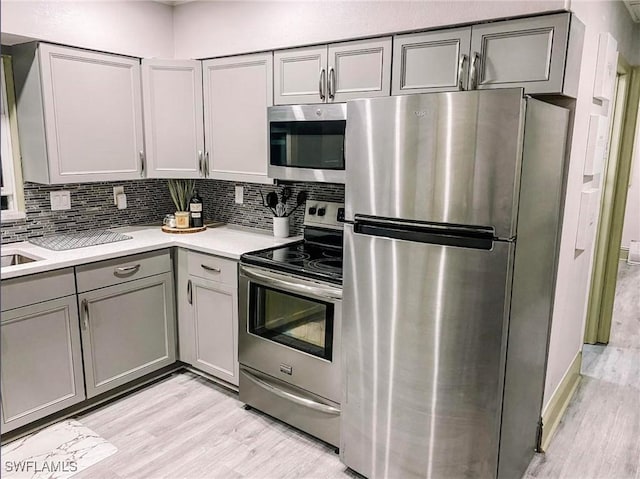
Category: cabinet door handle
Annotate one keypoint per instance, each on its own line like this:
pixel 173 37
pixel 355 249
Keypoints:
pixel 322 83
pixel 127 269
pixel 461 62
pixel 211 268
pixel 142 165
pixel 473 77
pixel 85 313
pixel 206 164
pixel 201 163
pixel 332 83
pixel 189 292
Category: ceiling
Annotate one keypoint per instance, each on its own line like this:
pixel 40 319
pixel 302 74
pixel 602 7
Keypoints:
pixel 634 9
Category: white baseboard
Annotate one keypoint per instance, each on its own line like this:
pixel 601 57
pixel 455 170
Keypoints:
pixel 556 407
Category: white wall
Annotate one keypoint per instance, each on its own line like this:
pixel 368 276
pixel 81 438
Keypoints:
pixel 214 28
pixel 631 230
pixel 574 271
pixel 137 28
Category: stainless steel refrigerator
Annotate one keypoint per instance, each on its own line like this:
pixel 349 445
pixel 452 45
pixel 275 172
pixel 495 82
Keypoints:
pixel 453 204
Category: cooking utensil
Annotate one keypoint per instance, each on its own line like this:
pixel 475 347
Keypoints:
pixel 272 202
pixel 300 200
pixel 285 194
pixel 280 209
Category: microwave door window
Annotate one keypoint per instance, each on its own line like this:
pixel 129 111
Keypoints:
pixel 308 144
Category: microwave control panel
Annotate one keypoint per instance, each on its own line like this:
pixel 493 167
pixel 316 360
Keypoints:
pixel 324 214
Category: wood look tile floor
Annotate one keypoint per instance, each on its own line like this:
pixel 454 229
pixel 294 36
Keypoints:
pixel 186 427
pixel 599 436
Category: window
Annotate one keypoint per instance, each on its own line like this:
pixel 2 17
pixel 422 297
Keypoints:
pixel 10 173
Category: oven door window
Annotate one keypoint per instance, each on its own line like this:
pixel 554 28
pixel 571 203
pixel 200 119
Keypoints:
pixel 308 144
pixel 295 321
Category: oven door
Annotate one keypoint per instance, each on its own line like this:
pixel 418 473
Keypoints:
pixel 306 142
pixel 290 329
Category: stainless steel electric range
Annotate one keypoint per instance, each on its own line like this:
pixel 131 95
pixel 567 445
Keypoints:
pixel 290 320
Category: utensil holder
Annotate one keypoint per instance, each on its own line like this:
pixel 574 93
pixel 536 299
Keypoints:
pixel 281 226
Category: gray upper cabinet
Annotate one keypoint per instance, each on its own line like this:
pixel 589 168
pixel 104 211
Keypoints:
pixel 41 364
pixel 79 114
pixel 529 53
pixel 173 126
pixel 237 92
pixel 333 73
pixel 540 54
pixel 431 62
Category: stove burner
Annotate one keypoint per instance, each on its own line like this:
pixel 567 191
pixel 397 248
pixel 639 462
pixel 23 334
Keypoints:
pixel 290 256
pixel 332 254
pixel 326 264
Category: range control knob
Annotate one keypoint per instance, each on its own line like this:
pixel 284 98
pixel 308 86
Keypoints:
pixel 321 211
pixel 312 210
pixel 340 215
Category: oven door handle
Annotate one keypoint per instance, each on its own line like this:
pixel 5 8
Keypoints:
pixel 302 401
pixel 273 279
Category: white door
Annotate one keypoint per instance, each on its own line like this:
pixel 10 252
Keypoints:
pixel 215 314
pixel 237 92
pixel 359 69
pixel 300 75
pixel 173 123
pixel 41 361
pixel 431 62
pixel 93 115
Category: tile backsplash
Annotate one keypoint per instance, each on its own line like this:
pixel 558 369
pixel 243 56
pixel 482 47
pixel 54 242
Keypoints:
pixel 147 202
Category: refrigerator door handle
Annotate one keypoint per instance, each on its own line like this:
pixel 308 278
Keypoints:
pixel 447 235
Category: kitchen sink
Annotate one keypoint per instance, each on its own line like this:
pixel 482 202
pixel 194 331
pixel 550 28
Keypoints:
pixel 12 259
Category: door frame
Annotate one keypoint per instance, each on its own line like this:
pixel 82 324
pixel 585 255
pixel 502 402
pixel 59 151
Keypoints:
pixel 612 209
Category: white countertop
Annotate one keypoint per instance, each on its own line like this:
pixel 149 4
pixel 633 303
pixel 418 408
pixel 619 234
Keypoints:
pixel 227 241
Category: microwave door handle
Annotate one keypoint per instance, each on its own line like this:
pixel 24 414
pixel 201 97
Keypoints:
pixel 271 279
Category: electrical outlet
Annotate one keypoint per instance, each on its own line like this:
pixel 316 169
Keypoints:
pixel 239 195
pixel 60 200
pixel 116 191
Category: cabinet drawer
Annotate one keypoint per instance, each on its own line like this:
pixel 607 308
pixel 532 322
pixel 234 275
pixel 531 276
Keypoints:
pixel 121 270
pixel 213 268
pixel 37 288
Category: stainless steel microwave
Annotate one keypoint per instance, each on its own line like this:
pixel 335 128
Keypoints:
pixel 306 142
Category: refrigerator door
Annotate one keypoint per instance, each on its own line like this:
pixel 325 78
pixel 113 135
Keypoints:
pixel 440 157
pixel 423 355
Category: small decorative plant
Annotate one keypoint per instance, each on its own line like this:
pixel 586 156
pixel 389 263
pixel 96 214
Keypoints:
pixel 181 192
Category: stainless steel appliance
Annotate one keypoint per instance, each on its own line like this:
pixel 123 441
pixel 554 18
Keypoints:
pixel 454 204
pixel 291 316
pixel 307 142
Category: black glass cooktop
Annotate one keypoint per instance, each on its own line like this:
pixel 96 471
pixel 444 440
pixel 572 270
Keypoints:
pixel 315 261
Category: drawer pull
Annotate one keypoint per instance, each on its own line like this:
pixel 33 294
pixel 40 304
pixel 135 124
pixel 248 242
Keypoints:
pixel 127 269
pixel 211 268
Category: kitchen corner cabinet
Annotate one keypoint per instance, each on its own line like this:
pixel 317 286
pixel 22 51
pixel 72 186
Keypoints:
pixel 333 73
pixel 79 114
pixel 540 54
pixel 173 129
pixel 208 314
pixel 127 319
pixel 41 364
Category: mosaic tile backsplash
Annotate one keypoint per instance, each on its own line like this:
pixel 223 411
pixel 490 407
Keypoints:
pixel 147 202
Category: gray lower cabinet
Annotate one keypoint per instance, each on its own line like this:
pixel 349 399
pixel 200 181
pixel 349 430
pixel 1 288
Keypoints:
pixel 208 314
pixel 128 322
pixel 41 366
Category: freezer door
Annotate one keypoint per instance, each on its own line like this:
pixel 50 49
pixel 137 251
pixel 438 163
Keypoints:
pixel 423 357
pixel 440 157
